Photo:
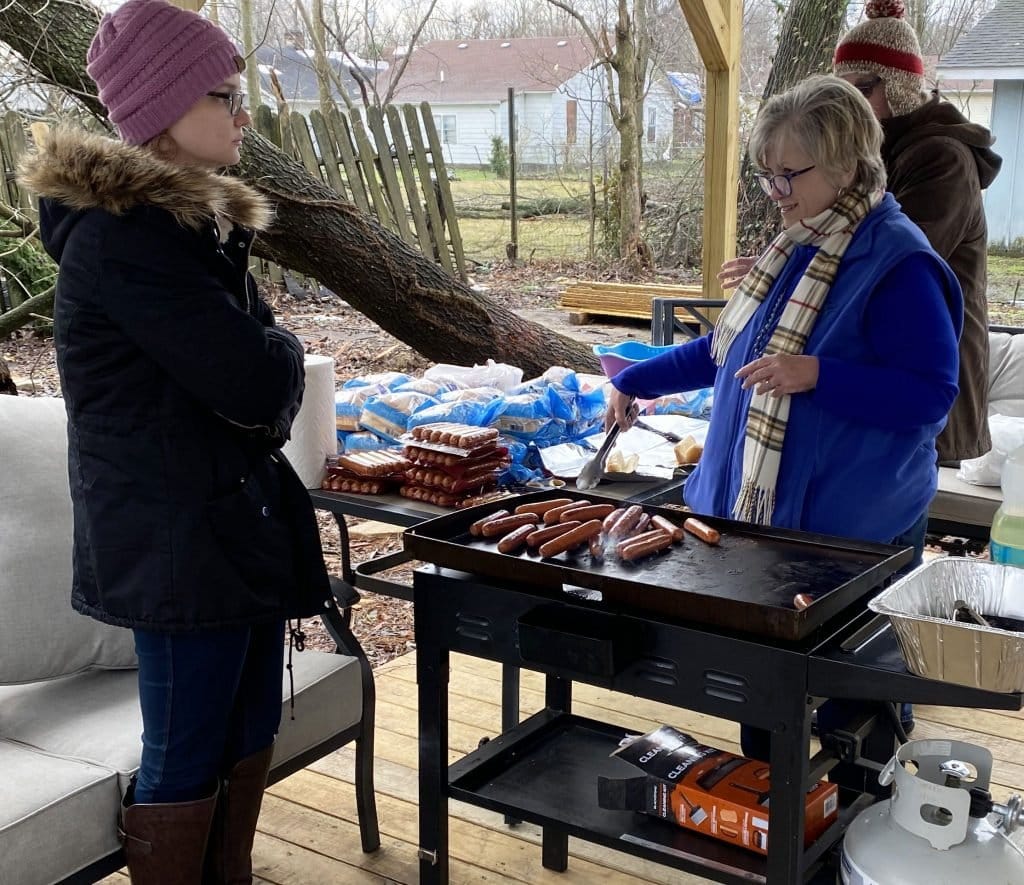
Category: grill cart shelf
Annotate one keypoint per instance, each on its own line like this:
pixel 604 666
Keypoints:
pixel 545 769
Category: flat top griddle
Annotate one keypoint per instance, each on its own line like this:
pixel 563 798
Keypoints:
pixel 746 583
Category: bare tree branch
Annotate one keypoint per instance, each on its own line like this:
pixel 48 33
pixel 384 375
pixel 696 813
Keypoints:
pixel 394 80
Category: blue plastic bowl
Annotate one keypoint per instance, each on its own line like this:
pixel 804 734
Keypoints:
pixel 616 357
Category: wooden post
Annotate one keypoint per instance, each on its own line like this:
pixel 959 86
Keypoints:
pixel 513 246
pixel 716 25
pixel 194 5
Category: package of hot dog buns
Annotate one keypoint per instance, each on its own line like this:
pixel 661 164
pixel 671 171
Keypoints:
pixel 710 791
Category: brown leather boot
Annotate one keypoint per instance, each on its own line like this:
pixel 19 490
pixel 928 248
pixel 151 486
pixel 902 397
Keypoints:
pixel 165 843
pixel 229 854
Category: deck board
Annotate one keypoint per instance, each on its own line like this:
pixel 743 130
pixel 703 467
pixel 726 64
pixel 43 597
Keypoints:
pixel 308 832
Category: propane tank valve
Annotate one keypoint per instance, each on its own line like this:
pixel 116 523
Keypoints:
pixel 954 771
pixel 1012 813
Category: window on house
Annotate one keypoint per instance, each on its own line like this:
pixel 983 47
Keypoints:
pixel 652 125
pixel 448 132
pixel 570 121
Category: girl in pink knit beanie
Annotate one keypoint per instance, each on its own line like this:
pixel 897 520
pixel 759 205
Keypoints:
pixel 191 528
pixel 154 62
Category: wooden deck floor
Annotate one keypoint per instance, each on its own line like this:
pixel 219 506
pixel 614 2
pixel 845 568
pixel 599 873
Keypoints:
pixel 308 832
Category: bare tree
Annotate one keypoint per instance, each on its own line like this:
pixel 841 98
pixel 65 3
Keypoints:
pixel 807 39
pixel 626 64
pixel 939 23
pixel 249 46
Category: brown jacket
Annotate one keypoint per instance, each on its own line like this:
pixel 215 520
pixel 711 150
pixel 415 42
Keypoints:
pixel 938 163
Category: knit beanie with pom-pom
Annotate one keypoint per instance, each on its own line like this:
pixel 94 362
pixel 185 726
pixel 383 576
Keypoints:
pixel 885 45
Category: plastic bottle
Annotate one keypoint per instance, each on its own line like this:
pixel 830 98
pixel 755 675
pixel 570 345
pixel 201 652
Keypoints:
pixel 1007 544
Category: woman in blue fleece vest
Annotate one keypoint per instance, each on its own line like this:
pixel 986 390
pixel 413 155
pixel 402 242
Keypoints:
pixel 835 363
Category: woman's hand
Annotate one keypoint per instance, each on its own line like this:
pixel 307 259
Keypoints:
pixel 733 271
pixel 780 374
pixel 622 410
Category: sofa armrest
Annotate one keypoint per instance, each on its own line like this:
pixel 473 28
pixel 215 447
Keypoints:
pixel 345 595
pixel 337 618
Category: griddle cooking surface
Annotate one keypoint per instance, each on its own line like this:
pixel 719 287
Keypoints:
pixel 746 583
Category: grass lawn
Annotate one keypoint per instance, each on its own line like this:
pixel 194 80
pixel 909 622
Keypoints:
pixel 477 190
pixel 567 236
pixel 1006 290
pixel 547 236
pixel 540 237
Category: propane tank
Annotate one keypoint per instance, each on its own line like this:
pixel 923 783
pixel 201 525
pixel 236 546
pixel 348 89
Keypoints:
pixel 939 827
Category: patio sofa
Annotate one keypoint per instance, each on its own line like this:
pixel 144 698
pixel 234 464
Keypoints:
pixel 70 724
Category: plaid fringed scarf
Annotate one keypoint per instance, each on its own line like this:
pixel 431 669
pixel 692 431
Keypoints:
pixel 831 232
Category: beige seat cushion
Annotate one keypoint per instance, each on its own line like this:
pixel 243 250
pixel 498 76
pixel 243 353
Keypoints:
pixel 41 636
pixel 94 717
pixel 57 815
pixel 328 700
pixel 69 746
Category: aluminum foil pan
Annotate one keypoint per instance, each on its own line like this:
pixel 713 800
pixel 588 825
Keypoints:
pixel 921 607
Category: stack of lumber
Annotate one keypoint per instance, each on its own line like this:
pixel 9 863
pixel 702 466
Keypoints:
pixel 586 300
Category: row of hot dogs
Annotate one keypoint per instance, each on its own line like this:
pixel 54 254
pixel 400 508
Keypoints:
pixel 562 524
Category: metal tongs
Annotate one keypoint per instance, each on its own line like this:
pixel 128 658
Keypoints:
pixel 593 470
pixel 664 434
pixel 965 614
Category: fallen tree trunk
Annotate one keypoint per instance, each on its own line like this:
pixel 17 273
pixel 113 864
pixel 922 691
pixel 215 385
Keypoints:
pixel 317 233
pixel 35 307
pixel 411 297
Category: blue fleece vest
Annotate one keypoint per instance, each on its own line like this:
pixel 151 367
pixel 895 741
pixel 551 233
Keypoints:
pixel 837 476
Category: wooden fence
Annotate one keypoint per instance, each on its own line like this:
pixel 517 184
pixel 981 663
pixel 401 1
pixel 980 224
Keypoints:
pixel 389 164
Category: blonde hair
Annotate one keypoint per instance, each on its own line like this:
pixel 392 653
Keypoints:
pixel 832 123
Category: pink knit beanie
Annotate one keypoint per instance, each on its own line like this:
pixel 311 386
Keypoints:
pixel 885 45
pixel 152 61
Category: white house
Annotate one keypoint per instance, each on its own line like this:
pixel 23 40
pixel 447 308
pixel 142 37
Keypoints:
pixel 972 97
pixel 558 95
pixel 994 50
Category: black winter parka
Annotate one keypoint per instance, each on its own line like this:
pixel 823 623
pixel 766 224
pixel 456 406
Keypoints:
pixel 179 391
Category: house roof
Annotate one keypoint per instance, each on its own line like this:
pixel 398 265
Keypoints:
pixel 295 72
pixel 996 42
pixel 483 70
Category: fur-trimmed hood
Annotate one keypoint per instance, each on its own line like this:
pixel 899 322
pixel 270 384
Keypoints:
pixel 82 171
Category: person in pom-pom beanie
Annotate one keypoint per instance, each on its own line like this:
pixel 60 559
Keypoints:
pixel 886 46
pixel 190 527
pixel 937 164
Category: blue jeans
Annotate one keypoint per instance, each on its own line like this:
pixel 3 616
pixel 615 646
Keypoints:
pixel 209 699
pixel 831 714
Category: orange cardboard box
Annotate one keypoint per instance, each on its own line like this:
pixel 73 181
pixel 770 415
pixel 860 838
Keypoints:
pixel 708 790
